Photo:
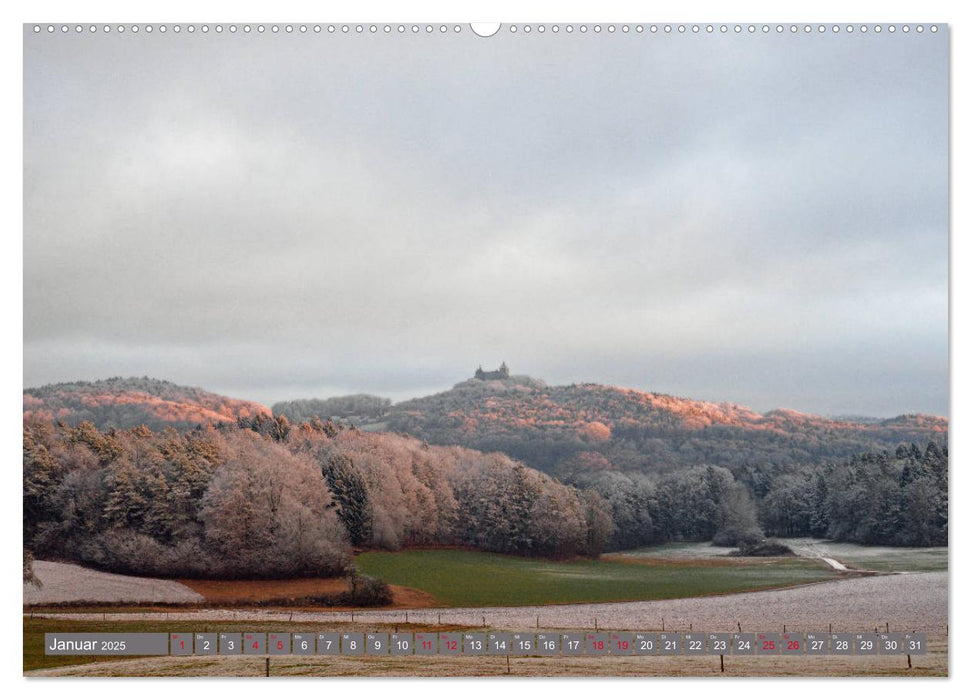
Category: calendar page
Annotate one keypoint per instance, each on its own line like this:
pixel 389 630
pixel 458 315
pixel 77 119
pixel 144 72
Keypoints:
pixel 521 349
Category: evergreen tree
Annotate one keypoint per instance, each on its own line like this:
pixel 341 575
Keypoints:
pixel 351 498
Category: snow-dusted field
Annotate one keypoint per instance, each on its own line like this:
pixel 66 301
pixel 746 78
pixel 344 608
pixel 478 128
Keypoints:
pixel 876 558
pixel 904 601
pixel 868 557
pixel 63 583
pixel 931 664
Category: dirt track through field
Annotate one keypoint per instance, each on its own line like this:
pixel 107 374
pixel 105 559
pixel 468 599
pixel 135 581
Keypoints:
pixel 904 602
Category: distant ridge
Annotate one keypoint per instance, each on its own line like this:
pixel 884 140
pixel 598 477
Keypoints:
pixel 562 429
pixel 354 408
pixel 559 429
pixel 126 402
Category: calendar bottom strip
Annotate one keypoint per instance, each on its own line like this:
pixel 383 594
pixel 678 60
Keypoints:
pixel 481 643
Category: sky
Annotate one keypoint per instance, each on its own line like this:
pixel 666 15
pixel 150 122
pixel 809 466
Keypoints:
pixel 760 219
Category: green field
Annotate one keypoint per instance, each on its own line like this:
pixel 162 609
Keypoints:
pixel 465 578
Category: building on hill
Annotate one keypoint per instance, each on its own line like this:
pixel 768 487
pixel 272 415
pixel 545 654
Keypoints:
pixel 501 373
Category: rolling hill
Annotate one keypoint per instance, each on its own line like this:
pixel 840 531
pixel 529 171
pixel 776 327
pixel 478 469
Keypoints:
pixel 562 430
pixel 584 427
pixel 128 402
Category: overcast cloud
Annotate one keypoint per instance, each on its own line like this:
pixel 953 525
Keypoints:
pixel 761 219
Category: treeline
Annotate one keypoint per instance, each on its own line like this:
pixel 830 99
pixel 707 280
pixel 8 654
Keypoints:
pixel 891 498
pixel 205 503
pixel 268 498
pixel 693 504
pixel 393 491
pixel 360 408
pixel 271 499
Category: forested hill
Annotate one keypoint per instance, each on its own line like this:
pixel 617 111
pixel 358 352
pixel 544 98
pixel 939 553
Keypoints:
pixel 128 402
pixel 356 408
pixel 581 428
pixel 563 430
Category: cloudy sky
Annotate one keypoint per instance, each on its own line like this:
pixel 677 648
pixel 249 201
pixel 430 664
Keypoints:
pixel 759 219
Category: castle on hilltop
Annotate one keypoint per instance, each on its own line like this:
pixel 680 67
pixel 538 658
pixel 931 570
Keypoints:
pixel 501 373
